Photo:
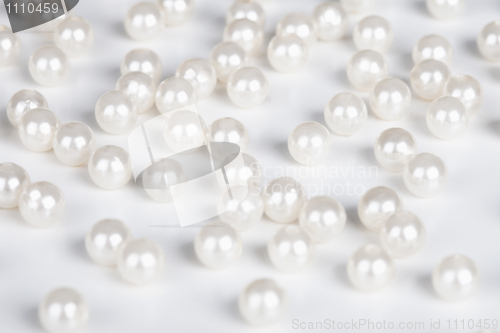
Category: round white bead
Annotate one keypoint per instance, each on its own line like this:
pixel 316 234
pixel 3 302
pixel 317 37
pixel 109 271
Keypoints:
pixel 310 143
pixel 390 99
pixel 73 143
pixel 176 12
pixel 49 66
pixel 42 204
pixel 13 181
pixel 331 20
pixel 157 181
pixel 141 89
pixel 403 235
pixel 300 24
pixel 247 87
pixel 433 47
pixel 346 114
pixel 246 33
pixel 23 101
pixel 366 68
pixel 249 174
pixel 227 57
pixel 456 278
pixel 63 310
pixel 74 36
pixel 283 197
pixel 142 60
pixel 10 47
pixel 446 9
pixel 488 41
pixel 373 33
pixel 144 21
pixel 468 90
pixel 228 130
pixel 376 205
pixel 428 78
pixel 115 112
pixel 104 239
pixel 447 117
pixel 241 215
pixel 322 218
pixel 201 74
pixel 140 261
pixel 263 302
pixel 110 167
pixel 425 175
pixel 175 93
pixel 184 130
pixel 251 10
pixel 287 53
pixel 37 128
pixel 218 245
pixel 394 147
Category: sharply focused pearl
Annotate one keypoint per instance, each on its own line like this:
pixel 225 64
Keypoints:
pixel 115 112
pixel 226 57
pixel 63 310
pixel 433 47
pixel 370 268
pixel 23 101
pixel 241 215
pixel 218 245
pixel 251 10
pixel 10 47
pixel 345 113
pixel 291 249
pixel 468 90
pixel 488 41
pixel 175 93
pixel 287 53
pixel 13 181
pixel 331 20
pixel 201 74
pixel 357 7
pixel 156 181
pixel 184 130
pixel 428 78
pixel 390 99
pixel 104 239
pixel 366 68
pixel 110 167
pixel 300 24
pixel 403 235
pixel 394 147
pixel 425 175
pixel 42 204
pixel 373 33
pixel 49 66
pixel 376 205
pixel 263 302
pixel 283 197
pixel 176 12
pixel 144 21
pixel 74 36
pixel 37 128
pixel 322 218
pixel 246 33
pixel 447 117
pixel 142 60
pixel 73 143
pixel 228 130
pixel 140 261
pixel 446 9
pixel 247 87
pixel 310 143
pixel 249 174
pixel 141 89
pixel 456 278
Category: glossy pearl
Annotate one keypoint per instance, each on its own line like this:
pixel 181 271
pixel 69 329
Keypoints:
pixel 428 78
pixel 141 89
pixel 287 53
pixel 310 143
pixel 227 57
pixel 142 60
pixel 447 117
pixel 345 114
pixel 49 66
pixel 110 167
pixel 73 143
pixel 23 101
pixel 37 128
pixel 140 261
pixel 263 302
pixel 390 99
pixel 394 147
pixel 175 93
pixel 218 245
pixel 249 174
pixel 74 36
pixel 10 47
pixel 63 310
pixel 184 130
pixel 433 47
pixel 331 20
pixel 488 41
pixel 403 235
pixel 299 24
pixel 104 239
pixel 42 204
pixel 370 269
pixel 468 90
pixel 357 7
pixel 283 197
pixel 115 112
pixel 373 33
pixel 13 181
pixel 366 68
pixel 144 21
pixel 251 10
pixel 229 130
pixel 156 180
pixel 201 74
pixel 176 12
pixel 446 9
pixel 376 205
pixel 247 87
pixel 246 33
pixel 241 215
pixel 291 249
pixel 456 278
pixel 425 175
pixel 322 218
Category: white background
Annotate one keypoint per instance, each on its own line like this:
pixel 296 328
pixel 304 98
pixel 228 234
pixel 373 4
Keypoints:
pixel 192 298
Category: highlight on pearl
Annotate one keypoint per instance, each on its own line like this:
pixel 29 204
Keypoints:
pixel 241 215
pixel 175 93
pixel 157 180
pixel 63 310
pixel 13 181
pixel 42 204
pixel 433 47
pixel 357 7
pixel 390 99
pixel 218 245
pixel 141 89
pixel 74 36
pixel 249 174
pixel 300 24
pixel 73 143
pixel 425 175
pixel 140 261
pixel 446 9
pixel 283 197
pixel 323 218
pixel 373 33
pixel 37 128
pixel 488 41
pixel 346 114
pixel 10 47
pixel 468 90
pixel 246 33
pixel 228 130
pixel 201 74
pixel 331 20
pixel 403 235
pixel 226 57
pixel 144 21
pixel 428 78
pixel 184 130
pixel 394 147
pixel 115 112
pixel 251 10
pixel 176 12
pixel 23 101
pixel 366 68
pixel 49 66
pixel 310 143
pixel 142 60
pixel 447 117
pixel 376 205
pixel 110 167
pixel 287 53
pixel 247 87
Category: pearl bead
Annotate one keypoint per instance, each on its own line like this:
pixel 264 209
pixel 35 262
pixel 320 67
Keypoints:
pixel 291 249
pixel 63 310
pixel 310 143
pixel 488 41
pixel 42 204
pixel 425 175
pixel 104 239
pixel 201 74
pixel 249 174
pixel 228 130
pixel 403 235
pixel 283 197
pixel 322 218
pixel 144 21
pixel 394 147
pixel 331 20
pixel 141 89
pixel 241 215
pixel 23 101
pixel 251 10
pixel 115 112
pixel 447 118
pixel 263 302
pixel 176 12
pixel 184 130
pixel 37 128
pixel 376 205
pixel 247 87
pixel 227 57
pixel 140 261
pixel 428 78
pixel 49 66
pixel 357 7
pixel 287 53
pixel 110 167
pixel 370 268
pixel 218 245
pixel 175 93
pixel 13 181
pixel 346 114
pixel 300 24
pixel 390 99
pixel 433 47
pixel 446 9
pixel 157 179
pixel 74 36
pixel 373 33
pixel 468 90
pixel 245 33
pixel 456 278
pixel 10 47
pixel 73 143
pixel 366 68
pixel 142 60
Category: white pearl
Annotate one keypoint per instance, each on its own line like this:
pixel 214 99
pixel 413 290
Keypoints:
pixel 218 245
pixel 175 93
pixel 73 143
pixel 446 9
pixel 357 7
pixel 390 99
pixel 142 60
pixel 228 130
pixel 394 147
pixel 488 41
pixel 176 12
pixel 345 114
pixel 263 302
pixel 283 197
pixel 144 21
pixel 287 53
pixel 373 33
pixel 322 218
pixel 468 90
pixel 110 167
pixel 184 130
pixel 115 112
pixel 447 117
pixel 428 78
pixel 140 261
pixel 331 20
pixel 201 74
pixel 247 87
pixel 10 47
pixel 291 249
pixel 403 235
pixel 241 215
pixel 156 180
pixel 300 24
pixel 425 175
pixel 141 89
pixel 13 181
pixel 23 101
pixel 376 205
pixel 366 68
pixel 37 128
pixel 251 10
pixel 227 57
pixel 249 174
pixel 310 143
pixel 63 310
pixel 245 33
pixel 456 278
pixel 433 47
pixel 42 204
pixel 104 239
pixel 370 268
pixel 49 66
pixel 74 36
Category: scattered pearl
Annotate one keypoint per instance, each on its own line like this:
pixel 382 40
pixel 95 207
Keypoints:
pixel 446 9
pixel 300 24
pixel 227 57
pixel 287 53
pixel 468 90
pixel 428 78
pixel 37 128
pixel 346 114
pixel 175 93
pixel 403 235
pixel 331 20
pixel 201 74
pixel 73 143
pixel 13 181
pixel 144 21
pixel 23 101
pixel 283 197
pixel 42 204
pixel 247 87
pixel 184 130
pixel 74 36
pixel 104 239
pixel 447 117
pixel 390 99
pixel 357 7
pixel 251 10
pixel 249 175
pixel 140 261
pixel 376 205
pixel 218 245
pixel 158 178
pixel 63 310
pixel 488 41
pixel 373 33
pixel 142 60
pixel 322 218
pixel 49 66
pixel 115 112
pixel 141 89
pixel 310 143
pixel 10 47
pixel 241 215
pixel 366 68
pixel 176 12
pixel 425 175
pixel 228 130
pixel 245 33
pixel 110 167
pixel 394 147
pixel 433 47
